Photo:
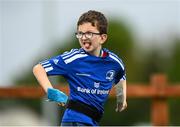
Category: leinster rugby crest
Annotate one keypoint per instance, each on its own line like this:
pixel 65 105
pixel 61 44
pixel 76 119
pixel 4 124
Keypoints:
pixel 110 75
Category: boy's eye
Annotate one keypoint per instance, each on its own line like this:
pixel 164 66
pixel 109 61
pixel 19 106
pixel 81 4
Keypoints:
pixel 86 34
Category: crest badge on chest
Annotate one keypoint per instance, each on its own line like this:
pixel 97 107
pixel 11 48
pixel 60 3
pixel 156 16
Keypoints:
pixel 110 75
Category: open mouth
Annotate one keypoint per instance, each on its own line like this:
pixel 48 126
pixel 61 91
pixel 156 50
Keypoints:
pixel 86 44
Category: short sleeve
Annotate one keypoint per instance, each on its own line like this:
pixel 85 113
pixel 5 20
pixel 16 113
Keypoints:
pixel 54 66
pixel 121 75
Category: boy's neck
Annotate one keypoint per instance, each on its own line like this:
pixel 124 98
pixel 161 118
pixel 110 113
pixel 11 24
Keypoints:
pixel 98 53
pixel 101 53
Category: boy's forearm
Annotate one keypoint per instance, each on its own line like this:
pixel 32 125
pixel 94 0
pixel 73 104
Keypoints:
pixel 41 76
pixel 121 91
pixel 124 88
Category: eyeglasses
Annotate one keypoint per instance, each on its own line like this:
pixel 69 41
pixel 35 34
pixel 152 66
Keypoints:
pixel 88 35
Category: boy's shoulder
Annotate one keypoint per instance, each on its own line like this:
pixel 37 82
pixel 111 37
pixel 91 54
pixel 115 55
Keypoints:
pixel 111 53
pixel 115 57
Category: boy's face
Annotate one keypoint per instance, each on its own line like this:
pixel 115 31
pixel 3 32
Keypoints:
pixel 91 42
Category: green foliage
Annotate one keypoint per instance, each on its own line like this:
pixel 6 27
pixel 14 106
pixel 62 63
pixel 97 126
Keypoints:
pixel 174 112
pixel 154 62
pixel 174 69
pixel 173 72
pixel 137 113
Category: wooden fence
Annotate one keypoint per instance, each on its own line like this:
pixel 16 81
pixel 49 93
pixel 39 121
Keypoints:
pixel 159 90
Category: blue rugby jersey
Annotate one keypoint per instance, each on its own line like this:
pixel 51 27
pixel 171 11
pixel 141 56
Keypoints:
pixel 90 78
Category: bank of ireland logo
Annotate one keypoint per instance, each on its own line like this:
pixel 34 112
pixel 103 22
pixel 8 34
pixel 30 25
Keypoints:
pixel 110 75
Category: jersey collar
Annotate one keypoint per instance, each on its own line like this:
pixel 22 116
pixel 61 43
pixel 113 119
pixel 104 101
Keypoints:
pixel 103 53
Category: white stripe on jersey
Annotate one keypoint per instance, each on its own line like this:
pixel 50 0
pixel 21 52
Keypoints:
pixel 74 58
pixel 68 53
pixel 48 69
pixel 116 59
pixel 46 65
pixel 123 78
pixel 44 62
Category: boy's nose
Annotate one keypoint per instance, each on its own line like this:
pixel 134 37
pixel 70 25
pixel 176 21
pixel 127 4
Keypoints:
pixel 83 37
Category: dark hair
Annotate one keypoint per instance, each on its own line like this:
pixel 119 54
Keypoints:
pixel 96 19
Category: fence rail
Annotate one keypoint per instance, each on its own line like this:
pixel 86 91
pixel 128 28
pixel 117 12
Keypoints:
pixel 158 90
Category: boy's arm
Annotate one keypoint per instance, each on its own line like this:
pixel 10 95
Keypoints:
pixel 41 76
pixel 121 95
pixel 52 94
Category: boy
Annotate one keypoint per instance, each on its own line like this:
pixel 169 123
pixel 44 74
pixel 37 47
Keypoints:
pixel 90 71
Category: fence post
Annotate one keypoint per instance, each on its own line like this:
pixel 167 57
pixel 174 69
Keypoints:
pixel 159 113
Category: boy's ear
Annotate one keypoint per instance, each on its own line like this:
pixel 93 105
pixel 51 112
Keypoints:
pixel 103 38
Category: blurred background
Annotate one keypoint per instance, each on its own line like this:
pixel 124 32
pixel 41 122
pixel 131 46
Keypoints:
pixel 144 33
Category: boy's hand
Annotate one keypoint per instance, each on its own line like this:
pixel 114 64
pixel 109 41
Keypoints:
pixel 57 96
pixel 121 106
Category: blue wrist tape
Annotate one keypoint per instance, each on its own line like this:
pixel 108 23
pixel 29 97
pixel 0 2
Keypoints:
pixel 56 95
